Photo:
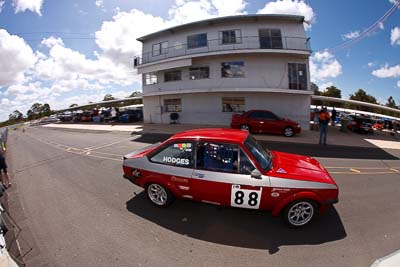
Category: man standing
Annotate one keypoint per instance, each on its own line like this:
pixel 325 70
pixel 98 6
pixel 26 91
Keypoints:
pixel 323 125
pixel 315 119
pixel 333 116
pixel 3 168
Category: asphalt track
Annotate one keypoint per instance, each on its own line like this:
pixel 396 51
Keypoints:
pixel 75 209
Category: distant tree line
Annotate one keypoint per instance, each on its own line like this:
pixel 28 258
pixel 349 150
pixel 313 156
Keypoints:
pixel 359 95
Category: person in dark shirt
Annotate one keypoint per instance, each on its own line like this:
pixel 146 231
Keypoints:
pixel 3 170
pixel 334 114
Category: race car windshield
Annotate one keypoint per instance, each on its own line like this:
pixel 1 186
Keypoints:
pixel 263 156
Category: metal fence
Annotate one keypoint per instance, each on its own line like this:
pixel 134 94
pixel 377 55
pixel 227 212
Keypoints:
pixel 217 45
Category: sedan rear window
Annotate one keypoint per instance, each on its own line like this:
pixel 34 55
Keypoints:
pixel 177 154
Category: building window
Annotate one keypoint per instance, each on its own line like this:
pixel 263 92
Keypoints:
pixel 150 78
pixel 297 76
pixel 199 73
pixel 160 49
pixel 233 104
pixel 173 105
pixel 230 37
pixel 270 38
pixel 174 75
pixel 197 40
pixel 233 69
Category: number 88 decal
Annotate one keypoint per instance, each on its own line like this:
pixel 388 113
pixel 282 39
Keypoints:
pixel 245 198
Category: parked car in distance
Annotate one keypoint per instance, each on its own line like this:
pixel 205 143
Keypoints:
pixel 360 124
pixel 228 167
pixel 86 117
pixel 264 121
pixel 130 115
pixel 377 125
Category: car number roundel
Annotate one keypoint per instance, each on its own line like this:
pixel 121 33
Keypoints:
pixel 245 198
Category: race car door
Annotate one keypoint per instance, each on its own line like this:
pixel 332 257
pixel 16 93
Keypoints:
pixel 173 166
pixel 222 176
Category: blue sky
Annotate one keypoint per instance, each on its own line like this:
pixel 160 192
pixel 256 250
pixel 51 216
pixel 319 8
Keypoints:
pixel 64 52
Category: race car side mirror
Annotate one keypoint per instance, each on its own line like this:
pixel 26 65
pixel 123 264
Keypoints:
pixel 256 174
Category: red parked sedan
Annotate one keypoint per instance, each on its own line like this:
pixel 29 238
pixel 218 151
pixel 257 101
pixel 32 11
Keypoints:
pixel 264 121
pixel 228 167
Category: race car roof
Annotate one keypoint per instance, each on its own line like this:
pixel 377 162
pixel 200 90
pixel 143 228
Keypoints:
pixel 220 134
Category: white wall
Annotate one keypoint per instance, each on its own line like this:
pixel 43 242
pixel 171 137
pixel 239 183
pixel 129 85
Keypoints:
pixel 206 108
pixel 261 71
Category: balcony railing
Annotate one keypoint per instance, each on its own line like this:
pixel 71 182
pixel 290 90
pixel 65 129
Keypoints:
pixel 242 43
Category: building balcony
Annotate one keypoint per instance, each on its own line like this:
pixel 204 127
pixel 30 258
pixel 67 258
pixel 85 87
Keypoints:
pixel 246 44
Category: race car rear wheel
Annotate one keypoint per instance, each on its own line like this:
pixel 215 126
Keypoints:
pixel 300 213
pixel 159 195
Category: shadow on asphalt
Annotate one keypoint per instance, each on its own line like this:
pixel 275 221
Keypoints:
pixel 313 150
pixel 237 227
pixel 330 151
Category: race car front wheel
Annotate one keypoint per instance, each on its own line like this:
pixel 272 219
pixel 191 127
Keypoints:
pixel 299 213
pixel 159 195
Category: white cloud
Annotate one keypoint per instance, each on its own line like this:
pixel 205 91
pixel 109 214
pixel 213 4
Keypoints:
pixel 351 35
pixel 292 7
pixel 16 58
pixel 1 5
pixel 324 65
pixel 398 84
pixel 99 3
pixel 5 102
pixel 395 36
pixel 117 38
pixel 387 72
pixel 66 64
pixel 325 85
pixel 52 41
pixel 229 8
pixel 370 64
pixel 32 5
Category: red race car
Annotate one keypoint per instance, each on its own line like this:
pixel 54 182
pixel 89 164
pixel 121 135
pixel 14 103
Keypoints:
pixel 228 167
pixel 264 121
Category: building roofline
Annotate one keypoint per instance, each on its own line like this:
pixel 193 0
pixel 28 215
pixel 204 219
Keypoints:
pixel 281 17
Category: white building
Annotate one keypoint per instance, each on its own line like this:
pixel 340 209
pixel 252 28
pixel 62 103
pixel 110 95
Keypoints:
pixel 208 70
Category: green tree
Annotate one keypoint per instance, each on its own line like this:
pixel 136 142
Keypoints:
pixel 38 110
pixel 361 95
pixel 108 97
pixel 46 110
pixel 332 91
pixel 15 116
pixel 315 88
pixel 135 94
pixel 73 105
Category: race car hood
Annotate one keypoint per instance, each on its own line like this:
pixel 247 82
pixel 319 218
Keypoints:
pixel 292 166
